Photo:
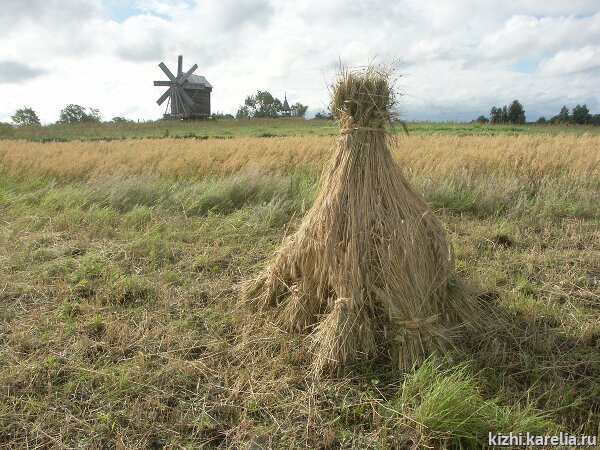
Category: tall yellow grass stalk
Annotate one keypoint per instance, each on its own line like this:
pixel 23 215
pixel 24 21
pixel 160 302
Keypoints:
pixel 438 156
pixel 367 272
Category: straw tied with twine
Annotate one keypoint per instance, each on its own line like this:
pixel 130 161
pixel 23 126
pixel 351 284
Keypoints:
pixel 366 274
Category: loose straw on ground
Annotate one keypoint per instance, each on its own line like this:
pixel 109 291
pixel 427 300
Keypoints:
pixel 367 272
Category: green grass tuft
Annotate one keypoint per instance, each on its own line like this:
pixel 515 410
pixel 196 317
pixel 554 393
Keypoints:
pixel 451 411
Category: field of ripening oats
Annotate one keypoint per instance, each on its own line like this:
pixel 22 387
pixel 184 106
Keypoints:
pixel 121 263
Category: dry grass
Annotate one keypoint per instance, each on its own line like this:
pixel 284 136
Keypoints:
pixel 438 156
pixel 118 281
pixel 367 272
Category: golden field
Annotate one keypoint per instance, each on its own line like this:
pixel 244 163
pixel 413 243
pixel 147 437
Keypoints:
pixel 435 155
pixel 122 261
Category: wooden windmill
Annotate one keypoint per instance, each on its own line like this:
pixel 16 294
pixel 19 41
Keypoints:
pixel 188 94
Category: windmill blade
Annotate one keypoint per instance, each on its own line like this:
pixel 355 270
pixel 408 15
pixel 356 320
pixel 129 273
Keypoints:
pixel 185 96
pixel 163 83
pixel 166 70
pixel 168 105
pixel 165 96
pixel 181 79
pixel 179 65
pixel 180 101
pixel 176 108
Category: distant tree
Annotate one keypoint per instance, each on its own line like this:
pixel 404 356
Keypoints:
pixel 298 109
pixel 541 121
pixel 77 114
pixel 25 116
pixel 220 115
pixel 72 114
pixel 504 114
pixel 93 115
pixel 243 112
pixel 581 115
pixel 496 115
pixel 515 113
pixel 595 119
pixel 268 106
pixel 263 104
pixel 482 119
pixel 564 116
pixel 6 130
pixel 248 109
pixel 324 115
pixel 120 119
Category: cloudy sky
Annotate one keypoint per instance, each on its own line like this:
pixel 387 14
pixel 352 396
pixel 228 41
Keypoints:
pixel 458 58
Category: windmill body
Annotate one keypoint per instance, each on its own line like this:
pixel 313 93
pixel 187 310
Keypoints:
pixel 188 95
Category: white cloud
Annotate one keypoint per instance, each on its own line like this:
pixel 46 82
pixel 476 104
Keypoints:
pixel 139 38
pixel 47 12
pixel 527 36
pixel 165 8
pixel 572 61
pixel 14 72
pixel 458 56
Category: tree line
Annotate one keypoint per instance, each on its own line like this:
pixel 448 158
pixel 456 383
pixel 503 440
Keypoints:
pixel 263 104
pixel 515 114
pixel 68 115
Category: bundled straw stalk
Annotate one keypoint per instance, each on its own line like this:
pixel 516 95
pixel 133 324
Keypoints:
pixel 367 272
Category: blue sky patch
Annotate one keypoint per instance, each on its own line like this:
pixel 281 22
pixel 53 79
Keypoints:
pixel 526 65
pixel 121 10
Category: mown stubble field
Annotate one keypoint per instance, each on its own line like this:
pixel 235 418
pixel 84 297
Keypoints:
pixel 121 264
